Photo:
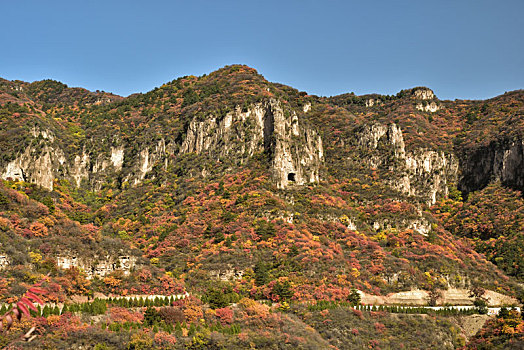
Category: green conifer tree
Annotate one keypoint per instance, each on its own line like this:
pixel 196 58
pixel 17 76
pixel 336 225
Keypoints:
pixel 192 330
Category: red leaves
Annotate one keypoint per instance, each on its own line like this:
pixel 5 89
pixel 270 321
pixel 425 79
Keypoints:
pixel 225 315
pixel 26 302
pixel 29 304
pixel 379 327
pixel 23 308
pixel 34 297
pixel 37 290
pixel 23 305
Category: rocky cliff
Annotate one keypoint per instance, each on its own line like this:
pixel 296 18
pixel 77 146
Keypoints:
pixel 502 162
pixel 423 173
pixel 294 149
pixel 38 163
pixel 98 267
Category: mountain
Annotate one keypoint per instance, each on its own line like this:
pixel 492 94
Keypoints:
pixel 229 183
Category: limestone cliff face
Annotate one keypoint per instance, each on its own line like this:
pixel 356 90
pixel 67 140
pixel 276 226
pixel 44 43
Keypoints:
pixel 45 160
pixel 502 162
pixel 295 150
pixel 38 162
pixel 423 173
pixel 99 267
pixel 221 137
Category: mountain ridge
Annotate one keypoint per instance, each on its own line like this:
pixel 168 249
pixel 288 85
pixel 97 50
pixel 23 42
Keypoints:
pixel 229 181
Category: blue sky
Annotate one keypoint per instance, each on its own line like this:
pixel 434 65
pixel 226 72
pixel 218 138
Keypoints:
pixel 460 49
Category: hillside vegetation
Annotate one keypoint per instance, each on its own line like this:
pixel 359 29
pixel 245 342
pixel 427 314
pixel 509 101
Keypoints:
pixel 242 193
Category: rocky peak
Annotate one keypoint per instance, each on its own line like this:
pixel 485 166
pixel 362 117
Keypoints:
pixel 423 93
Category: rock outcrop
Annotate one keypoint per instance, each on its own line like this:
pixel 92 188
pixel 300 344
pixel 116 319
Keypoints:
pixel 423 93
pixel 35 166
pixel 423 173
pixel 428 106
pixel 99 267
pixel 502 162
pixel 4 262
pixel 295 150
pixel 370 102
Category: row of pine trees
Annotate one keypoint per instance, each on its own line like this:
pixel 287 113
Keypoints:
pixel 97 306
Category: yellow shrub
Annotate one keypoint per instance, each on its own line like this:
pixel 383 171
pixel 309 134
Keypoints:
pixel 35 257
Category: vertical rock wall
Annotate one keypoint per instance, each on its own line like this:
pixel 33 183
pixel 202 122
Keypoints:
pixel 502 162
pixel 422 173
pixel 295 150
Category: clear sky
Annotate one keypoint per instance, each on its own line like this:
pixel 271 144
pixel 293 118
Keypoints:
pixel 459 48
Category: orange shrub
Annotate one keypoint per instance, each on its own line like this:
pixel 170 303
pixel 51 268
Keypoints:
pixel 253 308
pixel 38 229
pixel 112 281
pixel 122 315
pixel 225 315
